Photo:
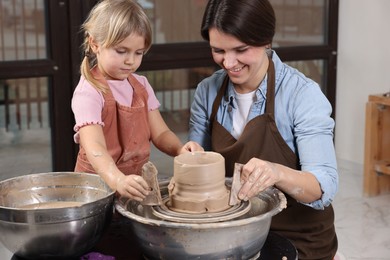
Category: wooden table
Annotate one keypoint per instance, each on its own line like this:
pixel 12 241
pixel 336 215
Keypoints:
pixel 377 145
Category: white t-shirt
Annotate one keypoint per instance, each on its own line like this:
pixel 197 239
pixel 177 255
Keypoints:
pixel 240 115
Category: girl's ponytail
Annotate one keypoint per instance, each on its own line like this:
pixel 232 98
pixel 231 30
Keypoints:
pixel 88 62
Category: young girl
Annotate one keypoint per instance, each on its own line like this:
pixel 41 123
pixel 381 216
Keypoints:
pixel 116 111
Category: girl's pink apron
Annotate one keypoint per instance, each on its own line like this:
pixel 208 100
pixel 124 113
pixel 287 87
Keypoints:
pixel 126 130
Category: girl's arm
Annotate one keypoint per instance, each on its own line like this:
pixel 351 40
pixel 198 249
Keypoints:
pixel 165 140
pixel 93 141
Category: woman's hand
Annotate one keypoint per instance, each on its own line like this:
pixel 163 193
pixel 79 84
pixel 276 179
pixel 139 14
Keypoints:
pixel 132 186
pixel 256 176
pixel 191 147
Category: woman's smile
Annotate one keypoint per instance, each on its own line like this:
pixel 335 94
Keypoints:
pixel 235 70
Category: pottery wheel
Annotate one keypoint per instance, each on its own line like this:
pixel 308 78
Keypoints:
pixel 233 212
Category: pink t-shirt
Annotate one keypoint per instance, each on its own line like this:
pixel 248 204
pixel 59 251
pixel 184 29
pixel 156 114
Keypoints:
pixel 88 102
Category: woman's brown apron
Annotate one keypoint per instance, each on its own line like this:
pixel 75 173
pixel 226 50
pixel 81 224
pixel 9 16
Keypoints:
pixel 126 130
pixel 311 231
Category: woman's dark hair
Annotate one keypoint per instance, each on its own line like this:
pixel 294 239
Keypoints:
pixel 250 21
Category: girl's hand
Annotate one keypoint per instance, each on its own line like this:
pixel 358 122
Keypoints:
pixel 132 186
pixel 191 147
pixel 256 176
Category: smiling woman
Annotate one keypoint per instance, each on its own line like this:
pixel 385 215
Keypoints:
pixel 255 111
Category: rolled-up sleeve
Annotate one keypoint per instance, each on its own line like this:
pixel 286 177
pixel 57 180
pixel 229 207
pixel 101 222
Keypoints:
pixel 199 125
pixel 313 132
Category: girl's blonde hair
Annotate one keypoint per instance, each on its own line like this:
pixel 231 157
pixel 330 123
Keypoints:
pixel 109 23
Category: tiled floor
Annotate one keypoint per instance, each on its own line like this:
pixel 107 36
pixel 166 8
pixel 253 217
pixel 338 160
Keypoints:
pixel 362 224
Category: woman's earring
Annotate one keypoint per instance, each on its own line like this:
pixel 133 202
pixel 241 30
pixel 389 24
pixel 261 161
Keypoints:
pixel 268 51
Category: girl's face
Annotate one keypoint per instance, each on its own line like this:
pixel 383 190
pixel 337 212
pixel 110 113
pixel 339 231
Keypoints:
pixel 246 65
pixel 119 61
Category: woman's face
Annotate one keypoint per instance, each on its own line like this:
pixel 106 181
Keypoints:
pixel 119 61
pixel 246 65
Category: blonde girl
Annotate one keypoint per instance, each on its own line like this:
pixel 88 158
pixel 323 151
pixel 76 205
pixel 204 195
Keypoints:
pixel 116 110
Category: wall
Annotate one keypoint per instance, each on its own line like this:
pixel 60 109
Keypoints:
pixel 363 69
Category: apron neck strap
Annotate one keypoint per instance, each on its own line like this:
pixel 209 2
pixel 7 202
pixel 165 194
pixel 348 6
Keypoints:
pixel 270 102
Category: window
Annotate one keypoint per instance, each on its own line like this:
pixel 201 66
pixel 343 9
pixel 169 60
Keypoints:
pixel 40 58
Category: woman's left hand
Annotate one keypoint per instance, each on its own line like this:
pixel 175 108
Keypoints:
pixel 256 176
pixel 191 146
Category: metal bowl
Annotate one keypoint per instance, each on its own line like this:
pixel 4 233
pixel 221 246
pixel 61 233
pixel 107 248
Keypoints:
pixel 31 228
pixel 238 238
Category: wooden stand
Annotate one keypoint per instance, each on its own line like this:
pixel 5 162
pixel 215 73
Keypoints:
pixel 377 146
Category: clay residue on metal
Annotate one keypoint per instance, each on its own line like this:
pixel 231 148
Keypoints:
pixel 198 183
pixel 52 205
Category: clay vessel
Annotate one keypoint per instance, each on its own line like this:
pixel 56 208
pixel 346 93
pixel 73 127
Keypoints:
pixel 198 183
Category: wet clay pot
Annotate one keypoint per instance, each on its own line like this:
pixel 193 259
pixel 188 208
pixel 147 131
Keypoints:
pixel 198 183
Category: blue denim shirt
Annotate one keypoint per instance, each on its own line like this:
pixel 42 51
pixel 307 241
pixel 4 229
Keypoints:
pixel 302 114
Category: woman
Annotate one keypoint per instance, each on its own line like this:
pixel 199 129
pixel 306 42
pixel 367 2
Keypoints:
pixel 260 112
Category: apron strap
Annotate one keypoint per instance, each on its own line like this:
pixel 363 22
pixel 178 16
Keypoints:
pixel 270 96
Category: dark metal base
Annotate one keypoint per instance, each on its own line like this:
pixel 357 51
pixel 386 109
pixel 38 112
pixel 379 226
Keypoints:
pixel 277 247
